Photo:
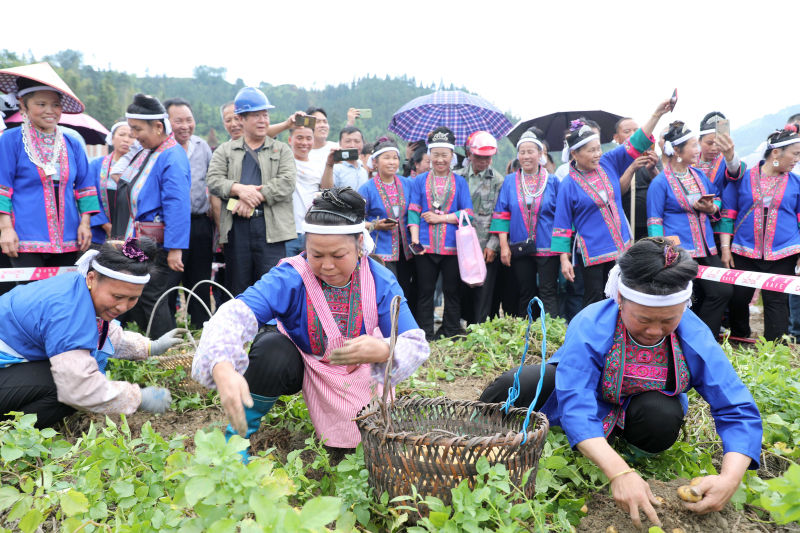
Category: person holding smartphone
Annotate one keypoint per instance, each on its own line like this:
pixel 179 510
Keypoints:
pixel 759 230
pixel 387 196
pixel 437 199
pixel 681 203
pixel 718 159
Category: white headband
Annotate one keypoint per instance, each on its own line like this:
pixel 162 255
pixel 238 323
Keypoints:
pixel 669 146
pixel 533 140
pixel 616 288
pixel 156 116
pixel 35 88
pixel 781 144
pixel 441 145
pixel 87 260
pixel 367 247
pixel 383 150
pixel 567 148
pixel 110 136
pixel 706 132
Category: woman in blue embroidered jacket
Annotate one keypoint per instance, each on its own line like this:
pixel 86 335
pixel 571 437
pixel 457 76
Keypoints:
pixel 524 214
pixel 681 202
pixel 718 159
pixel 437 199
pixel 623 371
pixel 387 196
pixel 47 196
pixel 120 140
pixel 759 230
pixel 56 336
pixel 589 202
pixel 153 201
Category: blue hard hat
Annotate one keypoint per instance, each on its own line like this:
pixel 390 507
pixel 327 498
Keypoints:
pixel 250 99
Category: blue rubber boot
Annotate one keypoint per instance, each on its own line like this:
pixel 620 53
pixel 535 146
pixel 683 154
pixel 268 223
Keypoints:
pixel 253 415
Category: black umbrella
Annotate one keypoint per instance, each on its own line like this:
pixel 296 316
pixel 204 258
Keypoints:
pixel 554 125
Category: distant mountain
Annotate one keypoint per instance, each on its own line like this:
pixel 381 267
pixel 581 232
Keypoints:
pixel 749 136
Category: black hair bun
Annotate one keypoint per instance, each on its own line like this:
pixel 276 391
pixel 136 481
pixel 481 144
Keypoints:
pixel 338 206
pixel 145 104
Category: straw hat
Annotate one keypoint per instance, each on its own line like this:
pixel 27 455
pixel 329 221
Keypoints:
pixel 44 74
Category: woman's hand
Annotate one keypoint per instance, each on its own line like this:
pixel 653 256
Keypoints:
pixel 9 241
pixel 84 236
pixel 566 268
pixel 383 224
pixel 489 255
pixel 726 257
pixel 107 229
pixel 175 259
pixel 705 205
pixel 718 490
pixel 363 349
pixel 726 146
pixel 663 108
pixel 505 254
pixel 433 218
pixel 633 494
pixel 234 394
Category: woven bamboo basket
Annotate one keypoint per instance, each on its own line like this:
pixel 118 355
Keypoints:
pixel 185 360
pixel 435 443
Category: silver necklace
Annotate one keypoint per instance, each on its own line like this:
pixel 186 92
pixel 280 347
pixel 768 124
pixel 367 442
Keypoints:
pixel 48 167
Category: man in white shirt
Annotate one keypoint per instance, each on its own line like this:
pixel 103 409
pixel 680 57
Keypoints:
pixel 322 146
pixel 309 175
pixel 347 173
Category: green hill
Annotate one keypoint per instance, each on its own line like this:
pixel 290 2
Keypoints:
pixel 106 94
pixel 749 136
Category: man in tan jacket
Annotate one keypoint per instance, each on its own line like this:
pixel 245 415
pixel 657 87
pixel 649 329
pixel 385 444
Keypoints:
pixel 255 178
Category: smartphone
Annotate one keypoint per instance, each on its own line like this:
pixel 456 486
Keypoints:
pixel 723 126
pixel 306 121
pixel 392 220
pixel 345 155
pixel 708 196
pixel 364 113
pixel 673 100
pixel 416 248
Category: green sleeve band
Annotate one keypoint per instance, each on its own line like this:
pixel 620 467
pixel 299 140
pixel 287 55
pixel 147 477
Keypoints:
pixel 725 226
pixel 561 244
pixel 413 218
pixel 640 141
pixel 655 230
pixel 5 205
pixel 500 226
pixel 88 204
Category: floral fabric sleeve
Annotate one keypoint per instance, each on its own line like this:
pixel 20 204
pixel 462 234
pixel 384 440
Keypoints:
pixel 127 344
pixel 410 351
pixel 80 383
pixel 223 339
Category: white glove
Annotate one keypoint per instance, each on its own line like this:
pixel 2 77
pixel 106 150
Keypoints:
pixel 166 341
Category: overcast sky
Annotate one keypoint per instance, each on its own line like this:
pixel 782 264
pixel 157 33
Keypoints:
pixel 527 57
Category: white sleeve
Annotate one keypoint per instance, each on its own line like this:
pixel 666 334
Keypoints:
pixel 80 383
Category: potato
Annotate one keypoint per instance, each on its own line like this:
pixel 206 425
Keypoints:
pixel 661 500
pixel 678 530
pixel 696 481
pixel 687 493
pixel 611 529
pixel 585 509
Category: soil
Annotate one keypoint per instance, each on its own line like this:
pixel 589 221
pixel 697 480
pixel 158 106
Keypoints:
pixel 604 512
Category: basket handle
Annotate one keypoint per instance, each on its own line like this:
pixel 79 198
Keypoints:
pixel 513 391
pixel 394 315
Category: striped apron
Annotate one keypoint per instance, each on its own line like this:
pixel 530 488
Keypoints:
pixel 335 394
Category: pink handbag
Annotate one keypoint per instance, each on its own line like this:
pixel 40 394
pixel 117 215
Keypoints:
pixel 470 256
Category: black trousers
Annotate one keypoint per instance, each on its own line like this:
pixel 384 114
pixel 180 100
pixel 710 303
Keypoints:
pixel 248 255
pixel 429 266
pixel 276 367
pixel 776 304
pixel 652 420
pixel 594 282
pixel 403 270
pixel 197 267
pixel 711 297
pixel 506 292
pixel 162 278
pixel 29 388
pixel 537 276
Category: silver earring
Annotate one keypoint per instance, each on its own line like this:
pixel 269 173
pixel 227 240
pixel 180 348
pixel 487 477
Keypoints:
pixel 680 160
pixel 775 163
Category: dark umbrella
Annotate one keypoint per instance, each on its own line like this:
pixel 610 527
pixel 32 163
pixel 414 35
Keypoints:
pixel 89 128
pixel 554 125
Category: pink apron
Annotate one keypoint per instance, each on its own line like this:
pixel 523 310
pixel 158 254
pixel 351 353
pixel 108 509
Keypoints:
pixel 335 394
